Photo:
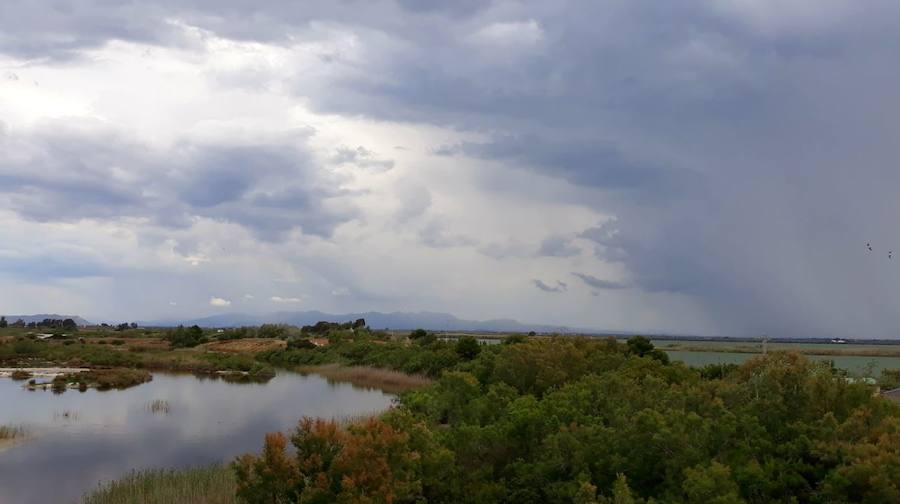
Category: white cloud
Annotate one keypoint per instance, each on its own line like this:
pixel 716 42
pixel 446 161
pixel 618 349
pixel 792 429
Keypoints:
pixel 283 300
pixel 219 302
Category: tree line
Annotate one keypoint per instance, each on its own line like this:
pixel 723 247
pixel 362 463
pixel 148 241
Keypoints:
pixel 48 323
pixel 561 420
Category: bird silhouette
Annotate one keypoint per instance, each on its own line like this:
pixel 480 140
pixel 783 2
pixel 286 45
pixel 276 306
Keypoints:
pixel 869 246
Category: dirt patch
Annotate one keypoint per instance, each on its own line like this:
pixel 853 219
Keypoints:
pixel 248 345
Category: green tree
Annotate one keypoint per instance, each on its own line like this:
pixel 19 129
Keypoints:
pixel 467 347
pixel 3 323
pixel 639 345
pixel 710 484
pixel 514 339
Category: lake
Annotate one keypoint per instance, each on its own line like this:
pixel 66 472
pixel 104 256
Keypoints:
pixel 82 438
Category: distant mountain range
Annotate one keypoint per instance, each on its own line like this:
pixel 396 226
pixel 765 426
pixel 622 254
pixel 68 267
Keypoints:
pixel 376 320
pixel 42 316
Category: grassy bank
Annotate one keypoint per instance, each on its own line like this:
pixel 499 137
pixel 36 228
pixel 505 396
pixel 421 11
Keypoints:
pixel 200 485
pixel 387 380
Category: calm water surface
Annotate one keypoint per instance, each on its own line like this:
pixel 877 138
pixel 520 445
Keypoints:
pixel 84 438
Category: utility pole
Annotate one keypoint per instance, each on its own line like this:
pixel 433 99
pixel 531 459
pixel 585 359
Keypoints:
pixel 765 343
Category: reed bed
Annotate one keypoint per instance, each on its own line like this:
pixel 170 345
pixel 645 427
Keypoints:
pixel 348 420
pixel 213 484
pixel 159 406
pixel 369 377
pixel 11 432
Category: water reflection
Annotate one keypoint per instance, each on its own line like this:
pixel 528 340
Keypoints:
pixel 83 438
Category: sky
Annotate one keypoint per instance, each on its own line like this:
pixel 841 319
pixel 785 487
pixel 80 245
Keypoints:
pixel 704 167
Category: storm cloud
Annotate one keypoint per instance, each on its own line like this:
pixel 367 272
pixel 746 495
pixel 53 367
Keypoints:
pixel 727 161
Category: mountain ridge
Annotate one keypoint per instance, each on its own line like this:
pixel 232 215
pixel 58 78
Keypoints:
pixel 434 321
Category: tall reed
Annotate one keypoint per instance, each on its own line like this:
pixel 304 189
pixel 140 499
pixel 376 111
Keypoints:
pixel 369 377
pixel 9 432
pixel 213 484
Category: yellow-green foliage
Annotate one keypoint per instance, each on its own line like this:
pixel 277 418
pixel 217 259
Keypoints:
pixel 200 485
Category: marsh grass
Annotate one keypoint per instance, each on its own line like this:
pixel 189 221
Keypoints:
pixel 369 377
pixel 159 406
pixel 11 432
pixel 348 420
pixel 213 484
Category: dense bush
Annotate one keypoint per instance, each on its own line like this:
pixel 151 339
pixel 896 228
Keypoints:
pixel 574 420
pixel 364 348
pixel 182 337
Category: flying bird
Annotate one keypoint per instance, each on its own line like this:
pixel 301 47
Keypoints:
pixel 869 246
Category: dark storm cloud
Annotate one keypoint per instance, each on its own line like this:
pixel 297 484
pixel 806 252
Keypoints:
pixel 599 283
pixel 592 163
pixel 44 29
pixel 746 149
pixel 67 172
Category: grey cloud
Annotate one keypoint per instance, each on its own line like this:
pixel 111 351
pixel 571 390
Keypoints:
pixel 557 246
pixel 415 200
pixel 363 158
pixel 54 30
pixel 593 163
pixel 559 288
pixel 604 234
pixel 65 173
pixel 455 7
pixel 745 154
pixel 434 234
pixel 599 283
